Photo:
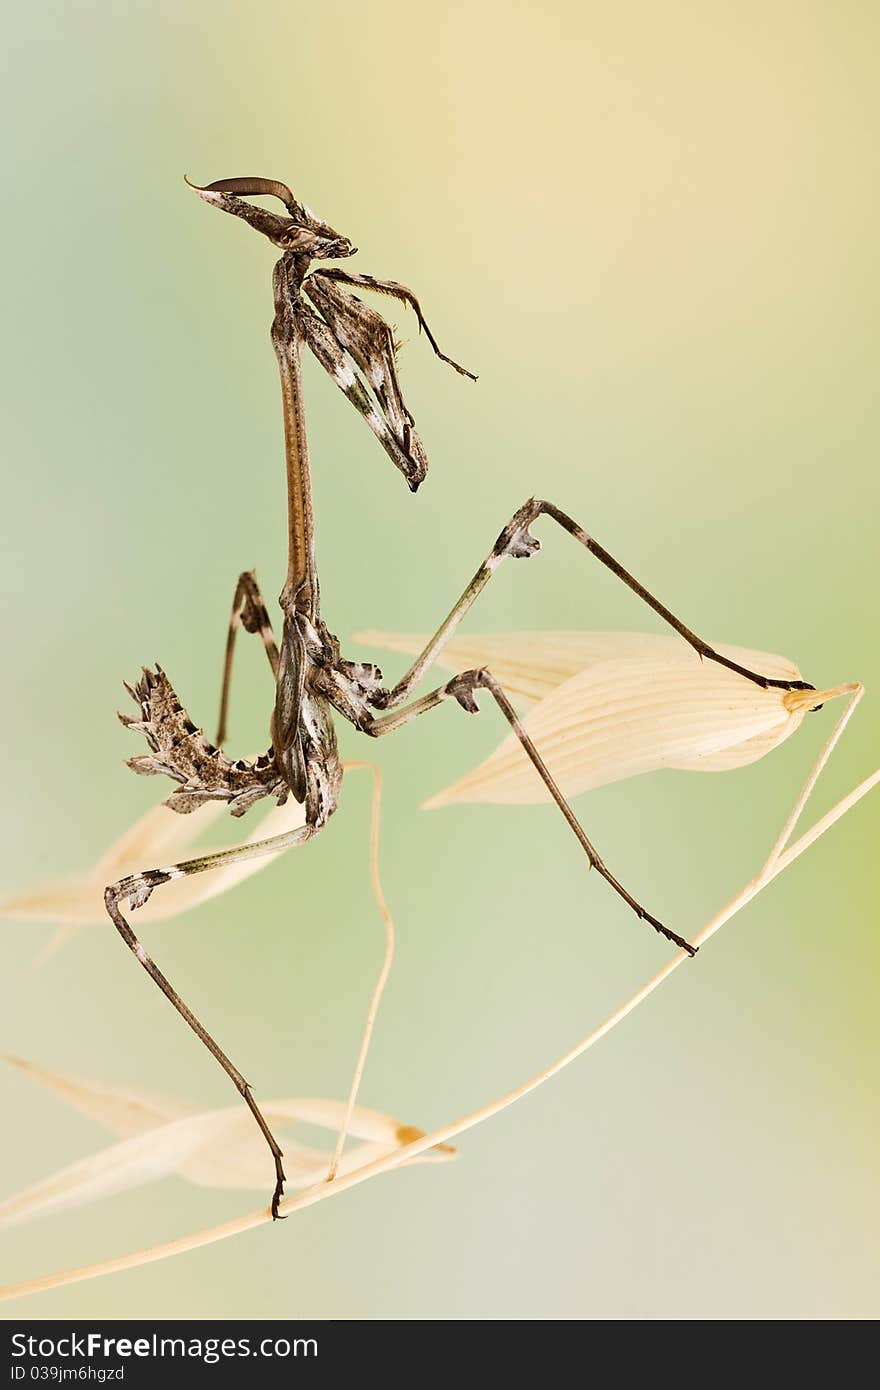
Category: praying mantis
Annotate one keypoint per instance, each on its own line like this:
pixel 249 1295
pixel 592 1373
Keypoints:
pixel 317 309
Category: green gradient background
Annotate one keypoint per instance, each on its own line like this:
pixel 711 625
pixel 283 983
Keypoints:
pixel 653 230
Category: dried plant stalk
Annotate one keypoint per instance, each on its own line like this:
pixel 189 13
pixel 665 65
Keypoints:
pixel 385 968
pixel 216 1148
pixel 781 857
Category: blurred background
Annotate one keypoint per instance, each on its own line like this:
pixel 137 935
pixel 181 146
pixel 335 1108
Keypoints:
pixel 652 231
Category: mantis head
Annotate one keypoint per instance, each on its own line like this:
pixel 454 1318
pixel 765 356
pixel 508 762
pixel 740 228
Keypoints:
pixel 301 232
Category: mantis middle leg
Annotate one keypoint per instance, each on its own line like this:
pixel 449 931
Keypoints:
pixel 517 541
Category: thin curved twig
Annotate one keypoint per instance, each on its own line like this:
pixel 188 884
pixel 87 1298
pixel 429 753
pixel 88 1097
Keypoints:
pixel 387 961
pixel 780 859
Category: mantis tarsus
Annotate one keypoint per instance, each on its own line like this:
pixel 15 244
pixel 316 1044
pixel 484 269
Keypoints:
pixel 312 679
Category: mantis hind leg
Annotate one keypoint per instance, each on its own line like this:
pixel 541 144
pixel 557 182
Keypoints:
pixel 462 688
pixel 137 888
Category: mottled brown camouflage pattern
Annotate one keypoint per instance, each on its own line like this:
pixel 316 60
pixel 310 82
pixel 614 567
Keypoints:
pixel 181 751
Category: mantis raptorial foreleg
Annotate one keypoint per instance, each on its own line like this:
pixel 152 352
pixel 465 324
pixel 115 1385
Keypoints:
pixel 396 291
pixel 249 612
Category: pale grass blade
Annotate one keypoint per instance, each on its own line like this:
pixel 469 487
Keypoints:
pixel 622 717
pixel 415 1145
pixel 123 1111
pixel 159 838
pixel 217 1148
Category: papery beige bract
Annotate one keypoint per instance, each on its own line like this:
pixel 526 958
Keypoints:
pixel 412 1144
pixel 163 834
pixel 159 837
pixel 217 1148
pixel 610 705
